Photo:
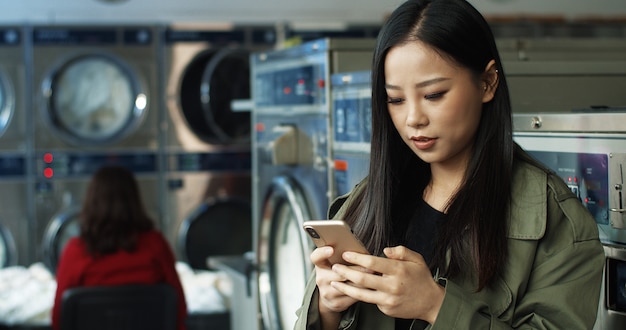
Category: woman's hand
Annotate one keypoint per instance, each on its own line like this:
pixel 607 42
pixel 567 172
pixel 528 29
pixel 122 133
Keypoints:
pixel 401 285
pixel 330 299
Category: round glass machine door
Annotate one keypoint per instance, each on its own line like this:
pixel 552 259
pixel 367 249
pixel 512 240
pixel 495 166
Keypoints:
pixel 218 227
pixel 6 103
pixel 212 86
pixel 283 254
pixel 94 99
pixel 61 228
pixel 8 253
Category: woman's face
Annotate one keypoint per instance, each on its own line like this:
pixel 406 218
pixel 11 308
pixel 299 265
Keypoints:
pixel 434 104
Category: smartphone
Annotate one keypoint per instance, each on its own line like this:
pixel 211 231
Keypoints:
pixel 335 233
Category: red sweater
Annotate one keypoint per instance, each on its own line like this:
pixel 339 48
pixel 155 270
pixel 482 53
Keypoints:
pixel 153 262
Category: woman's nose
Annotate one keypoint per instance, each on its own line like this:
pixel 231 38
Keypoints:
pixel 415 116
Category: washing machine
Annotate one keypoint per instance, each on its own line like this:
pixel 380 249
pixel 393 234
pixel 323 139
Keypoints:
pixel 96 87
pixel 62 179
pixel 351 120
pixel 291 163
pixel 587 149
pixel 15 213
pixel 96 102
pixel 207 84
pixel 207 141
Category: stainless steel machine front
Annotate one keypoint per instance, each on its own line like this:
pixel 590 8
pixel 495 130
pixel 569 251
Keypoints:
pixel 15 236
pixel 207 139
pixel 62 180
pixel 351 120
pixel 16 205
pixel 207 84
pixel 96 87
pixel 588 150
pixel 564 74
pixel 96 102
pixel 291 156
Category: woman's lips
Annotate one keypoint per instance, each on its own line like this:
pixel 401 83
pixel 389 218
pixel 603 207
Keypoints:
pixel 422 142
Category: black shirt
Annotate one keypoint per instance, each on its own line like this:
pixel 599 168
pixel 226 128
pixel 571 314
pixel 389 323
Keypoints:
pixel 420 237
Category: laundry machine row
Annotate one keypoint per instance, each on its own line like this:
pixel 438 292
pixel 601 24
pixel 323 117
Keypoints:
pixel 171 103
pixel 291 165
pixel 206 145
pixel 75 97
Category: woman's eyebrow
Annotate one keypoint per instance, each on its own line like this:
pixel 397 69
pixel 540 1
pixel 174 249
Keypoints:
pixel 422 84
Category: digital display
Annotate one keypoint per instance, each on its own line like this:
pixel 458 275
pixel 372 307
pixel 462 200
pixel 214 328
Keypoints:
pixel 12 166
pixel 295 86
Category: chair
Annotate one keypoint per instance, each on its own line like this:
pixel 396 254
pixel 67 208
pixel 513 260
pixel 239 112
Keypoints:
pixel 126 307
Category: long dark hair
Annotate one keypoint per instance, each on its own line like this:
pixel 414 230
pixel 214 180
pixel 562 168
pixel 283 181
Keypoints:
pixel 112 214
pixel 476 214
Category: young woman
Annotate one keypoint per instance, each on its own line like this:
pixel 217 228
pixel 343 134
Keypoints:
pixel 466 231
pixel 117 244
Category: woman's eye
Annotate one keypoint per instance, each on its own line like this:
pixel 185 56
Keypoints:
pixel 394 100
pixel 434 96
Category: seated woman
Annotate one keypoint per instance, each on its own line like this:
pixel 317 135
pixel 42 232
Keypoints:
pixel 118 243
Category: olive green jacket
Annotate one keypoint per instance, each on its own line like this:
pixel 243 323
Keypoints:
pixel 551 279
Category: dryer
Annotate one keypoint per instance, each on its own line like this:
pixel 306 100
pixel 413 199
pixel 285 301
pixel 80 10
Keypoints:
pixel 291 156
pixel 96 87
pixel 207 140
pixel 207 84
pixel 96 92
pixel 15 213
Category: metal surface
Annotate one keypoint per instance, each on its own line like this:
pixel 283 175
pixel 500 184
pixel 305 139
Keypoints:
pixel 564 74
pixel 96 87
pixel 207 139
pixel 588 150
pixel 8 251
pixel 351 119
pixel 206 70
pixel 96 97
pixel 208 204
pixel 61 182
pixel 589 122
pixel 16 210
pixel 14 213
pixel 291 157
pixel 13 87
pixel 612 306
pixel 562 48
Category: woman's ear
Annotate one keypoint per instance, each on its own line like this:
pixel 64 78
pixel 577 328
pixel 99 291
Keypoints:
pixel 490 81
